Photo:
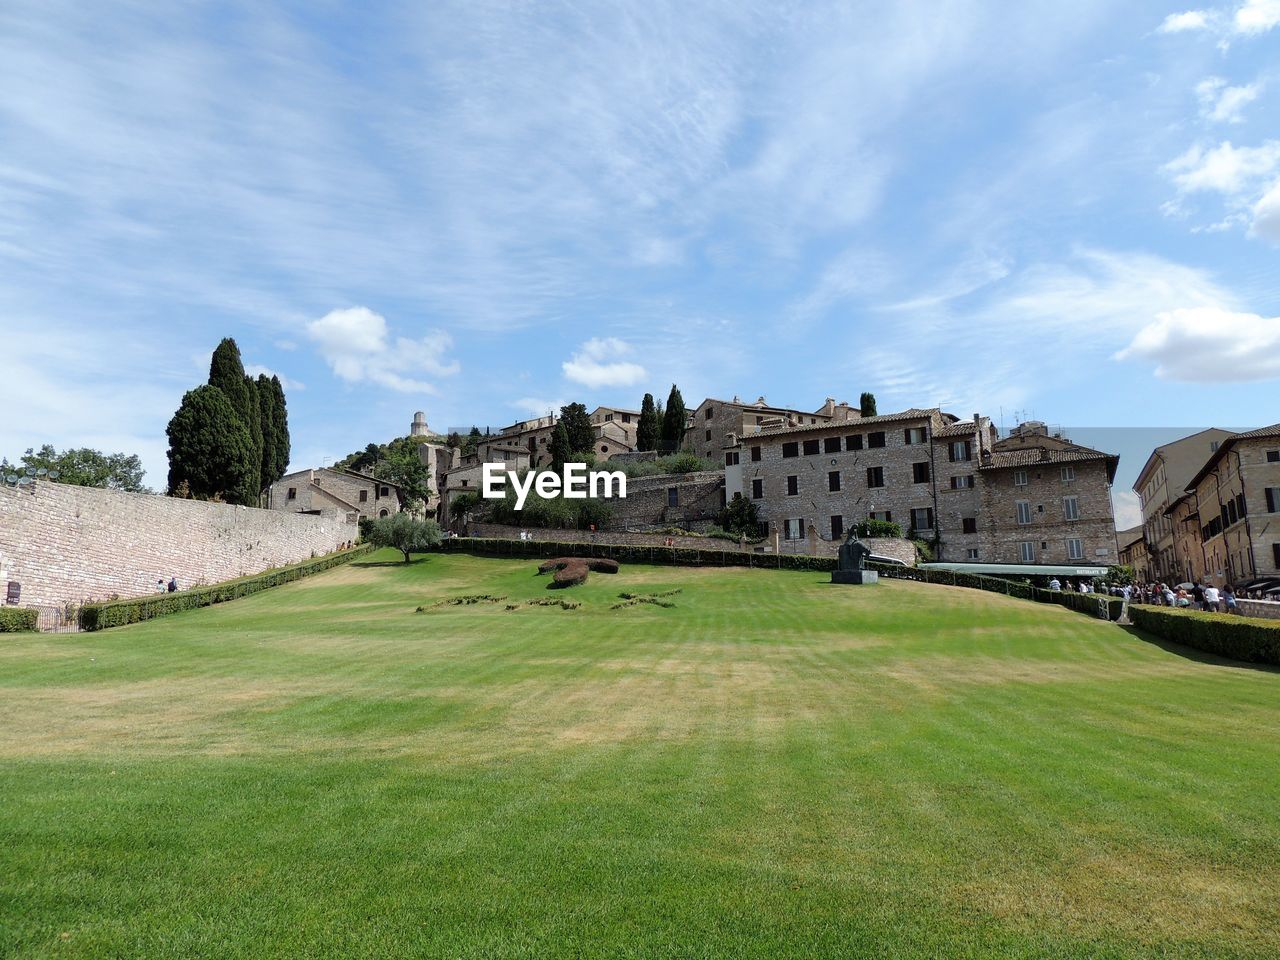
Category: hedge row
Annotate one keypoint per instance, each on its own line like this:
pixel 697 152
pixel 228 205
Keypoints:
pixel 1089 603
pixel 116 613
pixel 18 619
pixel 1237 638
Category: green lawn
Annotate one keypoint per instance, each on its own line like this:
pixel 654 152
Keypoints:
pixel 775 767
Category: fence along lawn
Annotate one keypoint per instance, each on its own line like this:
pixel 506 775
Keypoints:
pixel 773 767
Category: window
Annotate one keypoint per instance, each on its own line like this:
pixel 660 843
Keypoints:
pixel 1068 474
pixel 603 449
pixel 731 458
pixel 885 515
pixel 875 476
pixel 382 513
pixel 837 527
pixel 1024 511
pixel 626 418
pixel 384 492
pixel 711 412
pixel 920 472
pixel 791 449
pixel 364 496
pixel 922 518
pixel 1019 478
pixel 913 435
pixel 1075 549
pixel 1275 554
pixel 1213 446
pixel 969 525
pixel 961 450
pixel 757 489
pixel 810 447
pixel 1028 551
pixel 831 445
pixel 962 482
pixel 875 439
pixel 793 485
pixel 755 454
pixel 1273 456
pixel 1071 508
pixel 853 441
pixel 791 529
pixel 293 494
pixel 673 496
pixel 608 417
pixel 971 553
pixel 1273 499
pixel 833 481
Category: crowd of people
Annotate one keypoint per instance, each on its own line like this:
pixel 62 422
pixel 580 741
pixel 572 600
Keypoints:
pixel 1188 596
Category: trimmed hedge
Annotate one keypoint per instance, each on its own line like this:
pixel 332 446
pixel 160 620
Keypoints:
pixel 1082 602
pixel 1237 638
pixel 116 613
pixel 18 619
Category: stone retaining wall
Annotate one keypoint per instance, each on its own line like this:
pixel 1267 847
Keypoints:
pixel 66 544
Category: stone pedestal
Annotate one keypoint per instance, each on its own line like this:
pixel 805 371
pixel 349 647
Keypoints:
pixel 854 576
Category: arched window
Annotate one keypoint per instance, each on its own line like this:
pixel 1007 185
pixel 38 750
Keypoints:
pixel 382 513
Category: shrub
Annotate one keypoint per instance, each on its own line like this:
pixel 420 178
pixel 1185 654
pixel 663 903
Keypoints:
pixel 877 528
pixel 99 616
pixel 18 619
pixel 571 571
pixel 1238 638
pixel 1081 602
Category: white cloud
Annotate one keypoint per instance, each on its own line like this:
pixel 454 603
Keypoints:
pixel 598 364
pixel 538 406
pixel 1220 103
pixel 1224 168
pixel 1126 508
pixel 1266 214
pixel 1257 16
pixel 1180 22
pixel 357 345
pixel 1209 344
pixel 256 369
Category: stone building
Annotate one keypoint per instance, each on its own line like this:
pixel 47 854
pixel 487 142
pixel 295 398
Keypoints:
pixel 1233 505
pixel 534 436
pixel 615 431
pixel 467 475
pixel 941 479
pixel 358 495
pixel 1162 480
pixel 1132 550
pixel 1046 500
pixel 713 419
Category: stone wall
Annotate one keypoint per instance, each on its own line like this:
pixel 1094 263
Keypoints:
pixel 66 544
pixel 893 548
pixel 698 498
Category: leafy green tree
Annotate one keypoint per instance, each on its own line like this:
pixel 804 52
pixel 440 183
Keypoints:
pixel 673 422
pixel 561 450
pixel 472 443
pixel 402 465
pixel 463 505
pixel 650 425
pixel 210 450
pixel 740 517
pixel 86 467
pixel 867 404
pixel 577 424
pixel 405 533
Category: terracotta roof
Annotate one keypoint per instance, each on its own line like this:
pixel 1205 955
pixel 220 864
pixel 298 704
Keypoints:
pixel 962 428
pixel 857 423
pixel 1262 433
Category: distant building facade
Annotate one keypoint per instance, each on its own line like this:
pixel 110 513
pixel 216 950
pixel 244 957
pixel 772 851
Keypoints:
pixel 713 419
pixel 358 495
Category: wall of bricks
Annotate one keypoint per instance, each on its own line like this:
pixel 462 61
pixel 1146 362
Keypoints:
pixel 66 544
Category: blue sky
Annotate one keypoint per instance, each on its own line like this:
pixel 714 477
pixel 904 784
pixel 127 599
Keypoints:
pixel 483 210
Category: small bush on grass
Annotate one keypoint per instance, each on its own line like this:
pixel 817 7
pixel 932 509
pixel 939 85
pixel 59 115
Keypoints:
pixel 463 601
pixel 571 571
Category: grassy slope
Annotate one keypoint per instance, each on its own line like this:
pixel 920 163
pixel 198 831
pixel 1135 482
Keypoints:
pixel 777 767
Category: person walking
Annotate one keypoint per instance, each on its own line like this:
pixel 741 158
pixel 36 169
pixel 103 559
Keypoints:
pixel 1229 599
pixel 1210 598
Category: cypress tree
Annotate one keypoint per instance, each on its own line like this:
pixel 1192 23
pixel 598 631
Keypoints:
pixel 673 422
pixel 280 420
pixel 253 482
pixel 226 372
pixel 210 451
pixel 650 425
pixel 561 449
pixel 267 420
pixel 867 404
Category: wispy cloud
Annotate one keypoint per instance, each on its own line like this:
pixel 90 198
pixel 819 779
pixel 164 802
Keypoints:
pixel 1209 344
pixel 600 363
pixel 1222 103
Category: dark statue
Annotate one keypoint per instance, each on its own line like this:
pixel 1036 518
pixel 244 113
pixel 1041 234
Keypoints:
pixel 852 565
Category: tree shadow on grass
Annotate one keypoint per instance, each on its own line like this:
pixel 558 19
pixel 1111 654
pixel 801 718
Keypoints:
pixel 1199 656
pixel 390 563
